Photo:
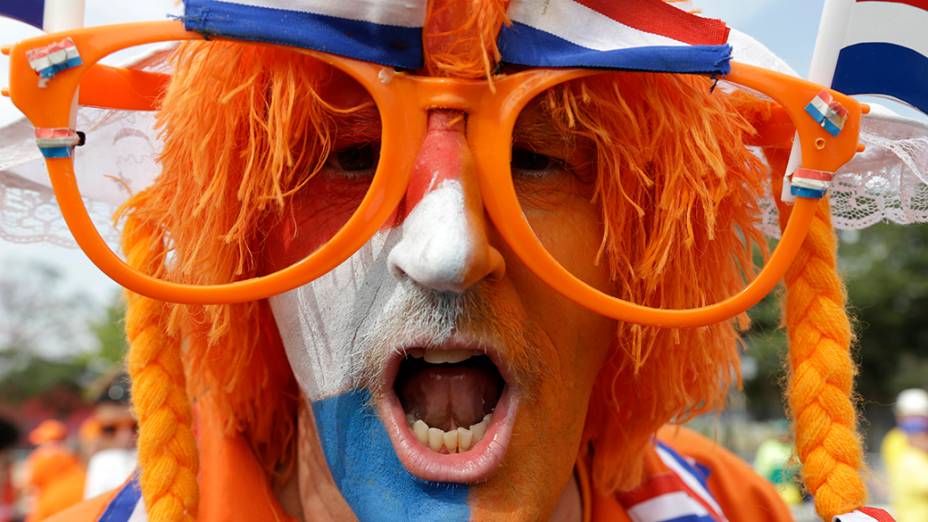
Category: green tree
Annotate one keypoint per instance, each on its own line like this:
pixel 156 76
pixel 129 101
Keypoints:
pixel 52 336
pixel 885 268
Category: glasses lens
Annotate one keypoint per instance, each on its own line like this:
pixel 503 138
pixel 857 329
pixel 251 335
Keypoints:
pixel 255 157
pixel 647 186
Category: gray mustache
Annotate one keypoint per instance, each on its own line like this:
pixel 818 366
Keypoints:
pixel 415 316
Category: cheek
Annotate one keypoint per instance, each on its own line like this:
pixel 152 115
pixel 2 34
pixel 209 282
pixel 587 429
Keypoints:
pixel 312 216
pixel 319 321
pixel 572 344
pixel 571 231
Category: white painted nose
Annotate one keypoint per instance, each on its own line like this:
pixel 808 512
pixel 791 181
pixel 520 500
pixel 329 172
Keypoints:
pixel 444 245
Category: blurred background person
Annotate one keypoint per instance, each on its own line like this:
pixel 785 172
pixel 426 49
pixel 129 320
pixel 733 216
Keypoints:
pixel 775 462
pixel 905 454
pixel 54 473
pixel 108 436
pixel 9 437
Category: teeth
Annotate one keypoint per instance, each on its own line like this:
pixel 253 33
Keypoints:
pixel 421 430
pixel 436 438
pixel 465 439
pixel 480 429
pixel 453 441
pixel 448 356
pixel 415 353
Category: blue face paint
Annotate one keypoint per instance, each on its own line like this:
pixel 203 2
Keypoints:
pixel 369 474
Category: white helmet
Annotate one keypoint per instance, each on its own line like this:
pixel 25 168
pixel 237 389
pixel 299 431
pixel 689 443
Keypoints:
pixel 912 402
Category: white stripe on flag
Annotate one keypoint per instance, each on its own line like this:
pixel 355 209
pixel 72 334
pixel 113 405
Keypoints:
pixel 666 507
pixel 888 22
pixel 582 26
pixel 689 480
pixel 855 516
pixel 401 13
pixel 139 514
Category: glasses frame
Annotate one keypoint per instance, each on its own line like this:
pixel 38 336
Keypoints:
pixel 403 102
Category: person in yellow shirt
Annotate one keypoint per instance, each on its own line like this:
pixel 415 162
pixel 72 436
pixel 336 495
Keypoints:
pixel 905 455
pixel 911 405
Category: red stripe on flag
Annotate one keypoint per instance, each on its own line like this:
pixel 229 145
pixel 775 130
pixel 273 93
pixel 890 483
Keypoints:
pixel 702 501
pixel 667 482
pixel 879 514
pixel 918 4
pixel 654 487
pixel 819 175
pixel 657 17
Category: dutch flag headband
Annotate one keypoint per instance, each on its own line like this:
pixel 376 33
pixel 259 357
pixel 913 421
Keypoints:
pixel 642 35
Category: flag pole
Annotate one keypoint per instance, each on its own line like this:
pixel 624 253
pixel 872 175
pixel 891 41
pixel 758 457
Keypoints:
pixel 832 30
pixel 61 15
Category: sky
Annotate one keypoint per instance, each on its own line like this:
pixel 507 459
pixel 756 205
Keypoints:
pixel 788 27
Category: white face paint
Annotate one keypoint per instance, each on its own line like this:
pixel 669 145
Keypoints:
pixel 318 322
pixel 326 324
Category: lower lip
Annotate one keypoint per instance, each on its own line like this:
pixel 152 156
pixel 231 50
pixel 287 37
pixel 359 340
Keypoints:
pixel 473 465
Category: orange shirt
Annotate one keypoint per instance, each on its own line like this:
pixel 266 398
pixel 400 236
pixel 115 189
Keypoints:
pixel 741 494
pixel 58 478
pixel 233 483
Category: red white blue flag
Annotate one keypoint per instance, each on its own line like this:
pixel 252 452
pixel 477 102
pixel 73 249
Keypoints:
pixel 646 35
pixel 27 11
pixel 884 50
pixel 48 15
pixel 643 35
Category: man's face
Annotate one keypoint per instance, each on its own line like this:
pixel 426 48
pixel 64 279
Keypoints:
pixel 118 428
pixel 446 380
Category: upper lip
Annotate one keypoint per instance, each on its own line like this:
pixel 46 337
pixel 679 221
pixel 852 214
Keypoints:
pixel 456 342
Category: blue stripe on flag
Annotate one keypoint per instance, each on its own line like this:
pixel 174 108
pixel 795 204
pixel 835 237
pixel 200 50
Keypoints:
pixel 690 518
pixel 884 68
pixel 806 192
pixel 524 45
pixel 379 43
pixel 123 504
pixel 28 11
pixel 822 120
pixel 369 474
pixel 56 152
pixel 700 473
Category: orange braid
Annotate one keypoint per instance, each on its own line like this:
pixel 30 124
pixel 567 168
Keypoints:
pixel 167 449
pixel 822 374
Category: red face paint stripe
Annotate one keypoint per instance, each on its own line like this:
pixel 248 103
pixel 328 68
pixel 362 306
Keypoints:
pixel 442 157
pixel 657 17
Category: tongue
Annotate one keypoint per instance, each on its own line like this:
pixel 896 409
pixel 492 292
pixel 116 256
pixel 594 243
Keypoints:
pixel 449 397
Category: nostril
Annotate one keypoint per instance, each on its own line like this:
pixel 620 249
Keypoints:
pixel 397 272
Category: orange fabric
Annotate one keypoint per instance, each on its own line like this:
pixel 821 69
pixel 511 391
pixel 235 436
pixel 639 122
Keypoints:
pixel 233 485
pixel 49 430
pixel 87 511
pixel 232 481
pixel 58 478
pixel 742 494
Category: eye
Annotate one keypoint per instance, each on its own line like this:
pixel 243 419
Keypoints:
pixel 356 160
pixel 533 162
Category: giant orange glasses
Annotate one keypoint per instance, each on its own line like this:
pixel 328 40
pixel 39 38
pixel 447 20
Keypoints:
pixel 402 103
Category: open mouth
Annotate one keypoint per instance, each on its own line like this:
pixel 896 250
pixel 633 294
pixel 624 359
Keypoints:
pixel 449 411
